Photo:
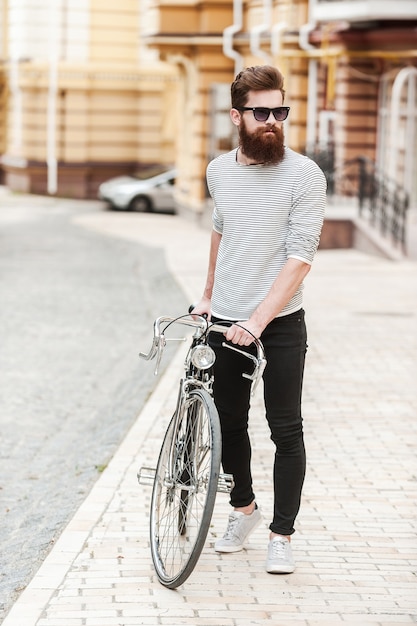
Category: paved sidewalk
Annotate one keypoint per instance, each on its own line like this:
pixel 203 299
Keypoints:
pixel 355 546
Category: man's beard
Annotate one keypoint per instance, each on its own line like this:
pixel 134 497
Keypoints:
pixel 262 146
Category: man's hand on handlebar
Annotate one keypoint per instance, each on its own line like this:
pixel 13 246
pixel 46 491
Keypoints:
pixel 202 308
pixel 241 334
pixel 238 333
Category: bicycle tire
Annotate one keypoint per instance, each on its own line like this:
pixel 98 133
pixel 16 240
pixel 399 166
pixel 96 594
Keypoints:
pixel 181 508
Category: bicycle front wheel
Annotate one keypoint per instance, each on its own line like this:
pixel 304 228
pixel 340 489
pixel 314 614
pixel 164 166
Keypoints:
pixel 185 487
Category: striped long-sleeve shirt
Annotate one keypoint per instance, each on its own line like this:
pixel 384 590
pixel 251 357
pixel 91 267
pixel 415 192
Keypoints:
pixel 266 214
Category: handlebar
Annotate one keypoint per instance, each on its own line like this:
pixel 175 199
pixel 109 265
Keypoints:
pixel 205 327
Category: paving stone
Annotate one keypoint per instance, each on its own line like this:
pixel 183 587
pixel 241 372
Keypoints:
pixel 355 544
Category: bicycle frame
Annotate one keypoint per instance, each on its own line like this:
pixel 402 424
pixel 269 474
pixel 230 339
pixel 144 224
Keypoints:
pixel 197 378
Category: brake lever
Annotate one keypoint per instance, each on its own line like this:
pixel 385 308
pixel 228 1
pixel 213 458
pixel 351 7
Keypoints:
pixel 260 364
pixel 161 345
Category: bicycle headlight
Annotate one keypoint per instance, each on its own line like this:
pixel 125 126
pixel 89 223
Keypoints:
pixel 202 357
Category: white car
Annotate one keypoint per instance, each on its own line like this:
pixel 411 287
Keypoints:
pixel 149 190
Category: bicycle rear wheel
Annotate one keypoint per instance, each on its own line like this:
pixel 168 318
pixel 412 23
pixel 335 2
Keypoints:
pixel 185 487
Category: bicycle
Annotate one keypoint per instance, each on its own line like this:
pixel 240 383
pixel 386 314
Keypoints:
pixel 187 476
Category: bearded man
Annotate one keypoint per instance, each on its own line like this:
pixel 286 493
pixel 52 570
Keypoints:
pixel 268 212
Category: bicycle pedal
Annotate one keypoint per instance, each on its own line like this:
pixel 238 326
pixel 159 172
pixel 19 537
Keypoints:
pixel 146 475
pixel 225 483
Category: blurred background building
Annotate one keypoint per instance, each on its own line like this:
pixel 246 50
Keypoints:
pixel 82 98
pixel 93 88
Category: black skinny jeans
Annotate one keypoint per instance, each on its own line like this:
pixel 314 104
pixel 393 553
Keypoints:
pixel 285 343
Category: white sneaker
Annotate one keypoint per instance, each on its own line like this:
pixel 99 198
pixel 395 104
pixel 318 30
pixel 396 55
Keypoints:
pixel 238 530
pixel 280 559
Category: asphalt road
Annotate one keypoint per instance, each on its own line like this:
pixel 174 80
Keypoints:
pixel 75 309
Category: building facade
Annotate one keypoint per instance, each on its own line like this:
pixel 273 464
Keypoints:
pixel 81 98
pixel 89 89
pixel 350 69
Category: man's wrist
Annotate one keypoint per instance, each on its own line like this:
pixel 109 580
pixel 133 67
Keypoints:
pixel 258 321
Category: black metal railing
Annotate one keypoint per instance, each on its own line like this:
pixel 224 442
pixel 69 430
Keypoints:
pixel 380 200
pixel 325 160
pixel 383 202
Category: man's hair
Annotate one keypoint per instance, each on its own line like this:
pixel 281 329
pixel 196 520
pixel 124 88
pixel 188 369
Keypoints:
pixel 257 78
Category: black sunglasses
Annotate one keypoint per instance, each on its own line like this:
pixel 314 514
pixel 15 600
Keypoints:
pixel 261 114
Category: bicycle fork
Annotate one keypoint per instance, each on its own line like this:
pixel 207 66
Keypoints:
pixel 147 475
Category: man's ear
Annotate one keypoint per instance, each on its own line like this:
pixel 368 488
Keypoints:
pixel 235 116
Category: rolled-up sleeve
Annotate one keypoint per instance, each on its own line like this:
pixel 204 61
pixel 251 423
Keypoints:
pixel 307 213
